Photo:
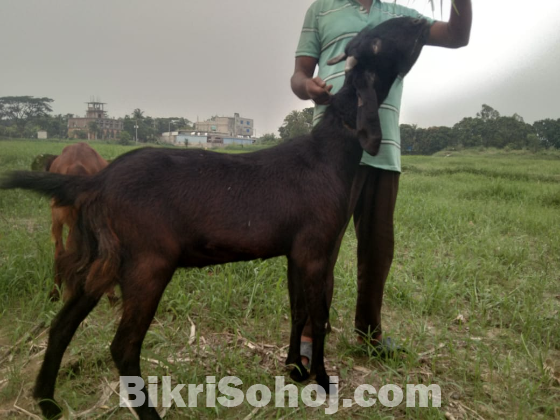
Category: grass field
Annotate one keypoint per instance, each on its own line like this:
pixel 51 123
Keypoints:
pixel 474 295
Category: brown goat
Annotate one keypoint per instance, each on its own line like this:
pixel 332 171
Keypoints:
pixel 153 210
pixel 76 159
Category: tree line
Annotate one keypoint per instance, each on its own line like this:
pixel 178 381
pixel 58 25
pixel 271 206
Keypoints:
pixel 487 129
pixel 24 116
pixel 149 129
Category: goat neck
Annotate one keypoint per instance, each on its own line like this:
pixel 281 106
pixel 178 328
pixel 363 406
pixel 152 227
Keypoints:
pixel 335 136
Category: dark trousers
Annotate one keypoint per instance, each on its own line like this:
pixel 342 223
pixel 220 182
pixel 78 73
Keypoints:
pixel 372 202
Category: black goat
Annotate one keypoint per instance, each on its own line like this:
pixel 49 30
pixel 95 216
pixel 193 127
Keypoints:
pixel 153 210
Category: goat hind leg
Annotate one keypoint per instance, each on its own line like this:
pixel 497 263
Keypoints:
pixel 140 299
pixel 61 332
pixel 57 227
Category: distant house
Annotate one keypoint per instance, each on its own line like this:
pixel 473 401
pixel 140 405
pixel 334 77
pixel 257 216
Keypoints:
pixel 108 128
pixel 42 134
pixel 230 127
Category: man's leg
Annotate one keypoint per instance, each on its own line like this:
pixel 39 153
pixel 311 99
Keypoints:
pixel 373 220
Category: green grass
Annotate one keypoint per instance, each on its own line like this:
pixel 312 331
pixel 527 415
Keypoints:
pixel 474 294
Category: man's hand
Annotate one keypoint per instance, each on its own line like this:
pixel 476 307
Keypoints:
pixel 318 90
pixel 305 86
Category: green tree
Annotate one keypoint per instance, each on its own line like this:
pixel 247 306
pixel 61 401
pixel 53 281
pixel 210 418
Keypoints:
pixel 548 132
pixel 487 113
pixel 269 138
pixel 150 128
pixel 30 130
pixel 509 131
pixel 534 144
pixel 469 132
pixel 297 123
pixel 137 114
pixel 55 125
pixel 426 141
pixel 408 138
pixel 490 129
pixel 434 139
pixel 125 138
pixel 21 110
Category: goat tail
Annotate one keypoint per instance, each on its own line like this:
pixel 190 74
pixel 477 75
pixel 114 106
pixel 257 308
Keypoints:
pixel 92 260
pixel 105 269
pixel 63 188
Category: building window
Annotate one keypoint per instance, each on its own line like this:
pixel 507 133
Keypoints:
pixel 241 122
pixel 248 131
pixel 248 123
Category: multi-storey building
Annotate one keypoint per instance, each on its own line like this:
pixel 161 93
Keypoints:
pixel 107 128
pixel 235 126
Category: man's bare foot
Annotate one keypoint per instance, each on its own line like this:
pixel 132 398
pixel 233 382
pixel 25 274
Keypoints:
pixel 306 350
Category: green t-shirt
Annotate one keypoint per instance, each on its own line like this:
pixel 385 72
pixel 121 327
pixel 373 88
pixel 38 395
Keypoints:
pixel 328 26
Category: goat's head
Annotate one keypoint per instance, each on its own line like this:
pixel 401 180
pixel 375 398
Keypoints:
pixel 374 59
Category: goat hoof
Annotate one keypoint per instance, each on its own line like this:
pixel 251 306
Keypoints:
pixel 299 373
pixel 50 409
pixel 323 382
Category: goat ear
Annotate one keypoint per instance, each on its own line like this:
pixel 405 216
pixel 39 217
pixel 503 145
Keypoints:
pixel 368 126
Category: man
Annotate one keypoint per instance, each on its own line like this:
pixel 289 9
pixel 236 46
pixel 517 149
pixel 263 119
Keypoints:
pixel 328 26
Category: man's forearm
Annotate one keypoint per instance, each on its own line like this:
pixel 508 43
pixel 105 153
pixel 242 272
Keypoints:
pixel 298 82
pixel 456 32
pixel 460 22
pixel 309 87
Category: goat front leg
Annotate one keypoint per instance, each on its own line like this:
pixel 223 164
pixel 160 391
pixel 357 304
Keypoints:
pixel 311 278
pixel 318 310
pixel 299 315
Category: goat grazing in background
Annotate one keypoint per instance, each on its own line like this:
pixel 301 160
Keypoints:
pixel 154 210
pixel 76 159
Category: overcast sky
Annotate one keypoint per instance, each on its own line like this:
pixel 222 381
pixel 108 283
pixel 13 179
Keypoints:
pixel 198 58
